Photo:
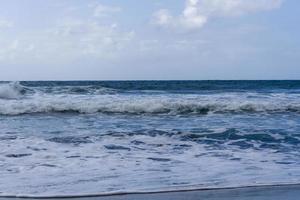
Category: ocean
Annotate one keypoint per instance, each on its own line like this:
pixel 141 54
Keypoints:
pixel 94 137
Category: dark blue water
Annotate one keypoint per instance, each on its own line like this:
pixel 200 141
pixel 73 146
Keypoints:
pixel 174 85
pixel 109 136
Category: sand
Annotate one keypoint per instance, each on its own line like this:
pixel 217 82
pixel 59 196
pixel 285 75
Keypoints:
pixel 288 192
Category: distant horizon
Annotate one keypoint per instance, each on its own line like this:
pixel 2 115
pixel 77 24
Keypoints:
pixel 106 97
pixel 149 80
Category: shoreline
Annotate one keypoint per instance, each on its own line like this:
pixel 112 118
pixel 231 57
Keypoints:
pixel 276 192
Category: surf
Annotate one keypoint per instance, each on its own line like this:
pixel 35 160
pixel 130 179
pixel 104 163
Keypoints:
pixel 139 104
pixel 11 90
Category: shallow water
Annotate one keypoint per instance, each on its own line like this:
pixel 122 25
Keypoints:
pixel 60 138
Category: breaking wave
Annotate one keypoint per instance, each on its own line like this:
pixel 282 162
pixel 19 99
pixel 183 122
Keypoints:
pixel 77 90
pixel 161 132
pixel 18 99
pixel 120 105
pixel 13 90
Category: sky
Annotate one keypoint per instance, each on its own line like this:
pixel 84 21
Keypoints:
pixel 149 39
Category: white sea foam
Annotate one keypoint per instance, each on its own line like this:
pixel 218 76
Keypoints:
pixel 11 90
pixel 144 104
pixel 66 169
pixel 135 140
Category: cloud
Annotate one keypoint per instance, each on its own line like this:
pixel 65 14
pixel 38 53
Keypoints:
pixel 5 24
pixel 72 38
pixel 101 10
pixel 198 12
pixel 191 16
pixel 162 17
pixel 91 38
pixel 234 7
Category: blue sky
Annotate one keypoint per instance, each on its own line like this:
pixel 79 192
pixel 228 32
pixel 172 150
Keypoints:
pixel 150 39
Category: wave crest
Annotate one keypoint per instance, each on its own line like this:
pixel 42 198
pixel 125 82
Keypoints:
pixel 108 104
pixel 12 90
pixel 77 90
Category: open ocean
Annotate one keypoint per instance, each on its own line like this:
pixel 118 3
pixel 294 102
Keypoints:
pixel 93 137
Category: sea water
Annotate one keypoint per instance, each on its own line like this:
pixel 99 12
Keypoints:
pixel 93 137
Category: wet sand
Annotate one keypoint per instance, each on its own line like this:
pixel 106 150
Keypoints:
pixel 288 192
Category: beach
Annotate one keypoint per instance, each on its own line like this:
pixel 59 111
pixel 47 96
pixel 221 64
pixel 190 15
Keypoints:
pixel 288 192
pixel 151 100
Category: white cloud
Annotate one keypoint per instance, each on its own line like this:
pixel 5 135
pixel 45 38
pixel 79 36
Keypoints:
pixel 101 10
pixel 197 12
pixel 191 16
pixel 234 7
pixel 5 24
pixel 72 38
pixel 162 17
